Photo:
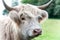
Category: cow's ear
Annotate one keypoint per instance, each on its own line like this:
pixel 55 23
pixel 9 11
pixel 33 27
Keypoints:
pixel 14 16
pixel 44 16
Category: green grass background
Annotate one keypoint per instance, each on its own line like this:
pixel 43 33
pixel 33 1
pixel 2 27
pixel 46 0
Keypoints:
pixel 51 30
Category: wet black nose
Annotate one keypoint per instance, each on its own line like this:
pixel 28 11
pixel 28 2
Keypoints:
pixel 37 32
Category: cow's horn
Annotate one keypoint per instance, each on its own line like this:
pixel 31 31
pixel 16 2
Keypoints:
pixel 45 5
pixel 7 7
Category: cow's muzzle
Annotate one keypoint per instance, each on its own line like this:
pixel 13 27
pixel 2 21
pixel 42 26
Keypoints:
pixel 37 32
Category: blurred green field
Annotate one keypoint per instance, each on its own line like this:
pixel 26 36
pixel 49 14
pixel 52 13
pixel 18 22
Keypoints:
pixel 51 30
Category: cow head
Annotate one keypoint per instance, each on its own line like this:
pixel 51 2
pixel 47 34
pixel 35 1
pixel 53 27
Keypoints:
pixel 28 18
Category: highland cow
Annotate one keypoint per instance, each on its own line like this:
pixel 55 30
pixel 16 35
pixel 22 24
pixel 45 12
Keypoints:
pixel 22 22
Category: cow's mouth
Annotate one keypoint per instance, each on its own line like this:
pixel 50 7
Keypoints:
pixel 35 36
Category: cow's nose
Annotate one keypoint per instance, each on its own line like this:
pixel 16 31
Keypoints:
pixel 37 32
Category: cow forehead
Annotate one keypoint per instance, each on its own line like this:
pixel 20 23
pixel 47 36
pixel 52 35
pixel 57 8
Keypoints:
pixel 28 7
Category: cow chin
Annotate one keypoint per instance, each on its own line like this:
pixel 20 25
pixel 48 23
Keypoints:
pixel 29 37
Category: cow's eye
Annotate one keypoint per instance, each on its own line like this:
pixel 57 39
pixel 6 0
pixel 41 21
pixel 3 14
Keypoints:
pixel 39 19
pixel 23 18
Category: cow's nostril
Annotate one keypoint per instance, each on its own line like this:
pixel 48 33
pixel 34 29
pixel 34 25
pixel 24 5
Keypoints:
pixel 37 31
